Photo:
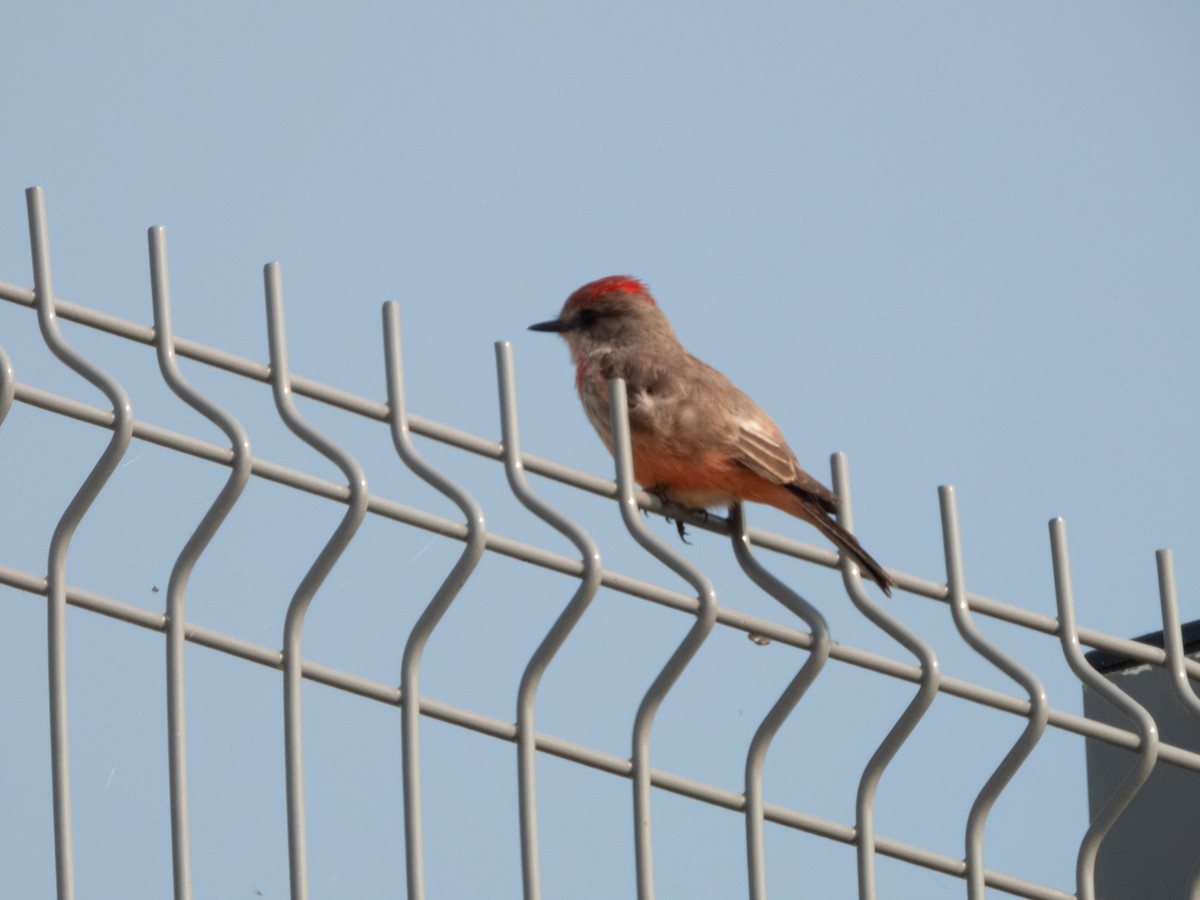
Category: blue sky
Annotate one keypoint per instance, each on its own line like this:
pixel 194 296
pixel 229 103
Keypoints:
pixel 954 240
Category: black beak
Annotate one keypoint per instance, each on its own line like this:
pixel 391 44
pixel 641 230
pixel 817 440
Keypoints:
pixel 553 325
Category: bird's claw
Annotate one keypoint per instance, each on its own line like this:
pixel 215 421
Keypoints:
pixel 682 529
pixel 660 491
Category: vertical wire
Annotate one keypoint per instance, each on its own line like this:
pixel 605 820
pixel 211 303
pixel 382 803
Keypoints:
pixel 1172 635
pixel 706 616
pixel 281 388
pixel 1085 865
pixel 818 654
pixel 164 342
pixel 589 582
pixel 1039 707
pixel 926 693
pixel 1176 659
pixel 56 577
pixel 414 647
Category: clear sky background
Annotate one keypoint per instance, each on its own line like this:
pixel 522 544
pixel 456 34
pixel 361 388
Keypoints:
pixel 955 240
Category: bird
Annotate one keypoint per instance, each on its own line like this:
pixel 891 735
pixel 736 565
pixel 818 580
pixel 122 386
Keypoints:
pixel 696 439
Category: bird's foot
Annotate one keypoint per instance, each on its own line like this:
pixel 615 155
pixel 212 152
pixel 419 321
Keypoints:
pixel 679 523
pixel 660 491
pixel 681 528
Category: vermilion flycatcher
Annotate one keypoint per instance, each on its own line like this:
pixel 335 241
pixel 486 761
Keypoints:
pixel 696 439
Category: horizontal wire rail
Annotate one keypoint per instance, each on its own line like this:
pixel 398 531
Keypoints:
pixel 355 494
pixel 454 437
pixel 634 587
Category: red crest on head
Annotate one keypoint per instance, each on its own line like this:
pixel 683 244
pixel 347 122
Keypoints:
pixel 625 284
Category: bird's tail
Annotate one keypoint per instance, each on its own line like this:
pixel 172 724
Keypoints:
pixel 849 545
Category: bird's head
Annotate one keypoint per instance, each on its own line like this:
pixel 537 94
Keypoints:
pixel 610 312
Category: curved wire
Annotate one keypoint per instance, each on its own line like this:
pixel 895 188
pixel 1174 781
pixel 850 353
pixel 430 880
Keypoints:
pixel 818 654
pixel 930 680
pixel 706 616
pixel 281 389
pixel 8 384
pixel 1039 706
pixel 56 577
pixel 514 468
pixel 372 409
pixel 410 711
pixel 177 586
pixel 1085 864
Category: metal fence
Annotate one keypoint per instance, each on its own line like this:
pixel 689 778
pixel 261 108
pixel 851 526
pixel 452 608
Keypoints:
pixel 768 826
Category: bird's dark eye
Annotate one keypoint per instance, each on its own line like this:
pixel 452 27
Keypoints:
pixel 588 317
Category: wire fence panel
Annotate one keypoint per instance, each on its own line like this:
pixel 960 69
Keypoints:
pixel 455 670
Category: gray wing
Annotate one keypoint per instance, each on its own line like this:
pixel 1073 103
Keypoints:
pixel 762 449
pixel 685 397
pixel 758 444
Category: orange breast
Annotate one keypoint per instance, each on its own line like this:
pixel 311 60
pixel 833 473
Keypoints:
pixel 704 479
